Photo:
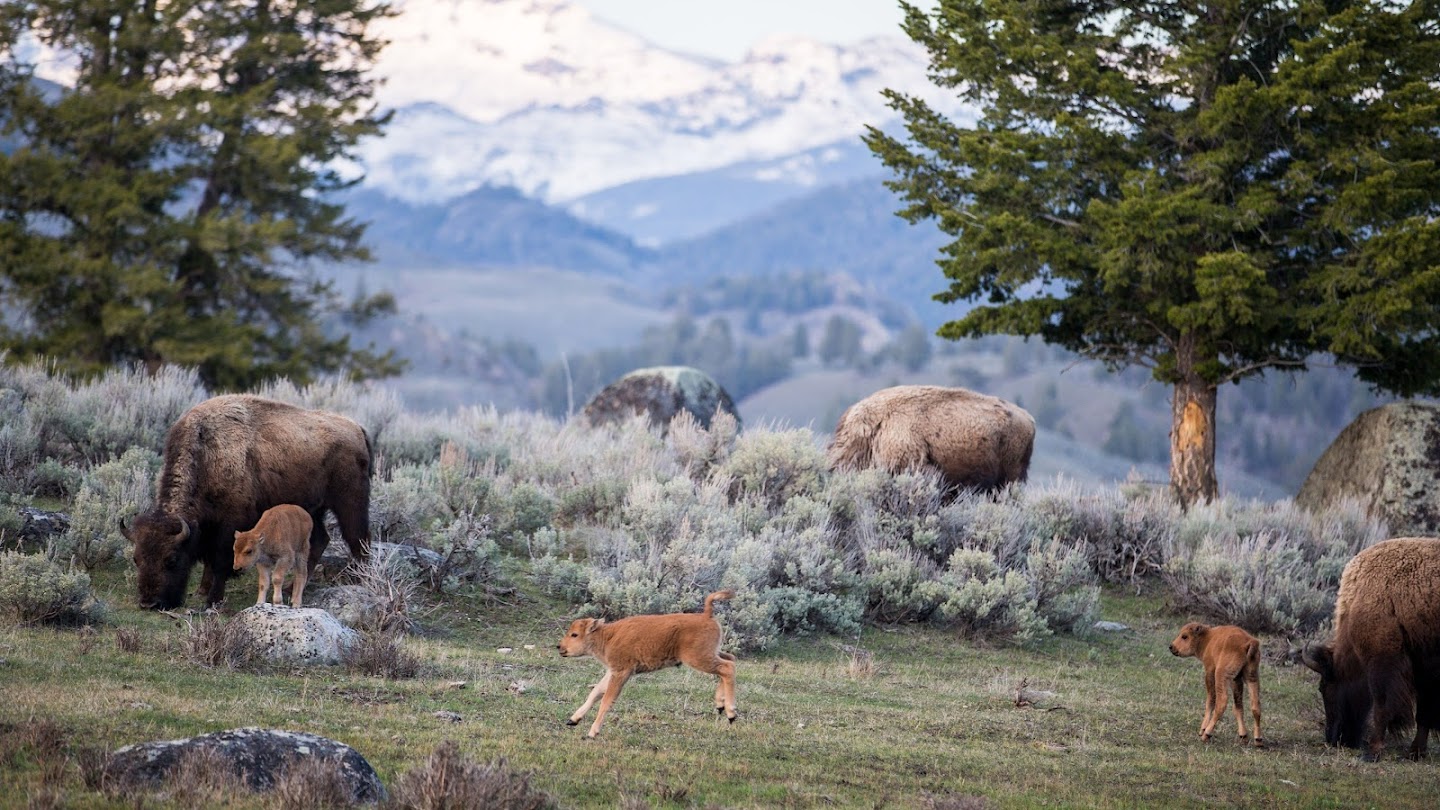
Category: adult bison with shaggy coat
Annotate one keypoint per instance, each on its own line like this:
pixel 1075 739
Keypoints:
pixel 1381 671
pixel 227 460
pixel 974 441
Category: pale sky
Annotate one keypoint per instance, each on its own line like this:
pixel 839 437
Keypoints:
pixel 727 30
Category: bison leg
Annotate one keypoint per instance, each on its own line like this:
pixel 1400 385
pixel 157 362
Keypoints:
pixel 726 671
pixel 1237 691
pixel 354 522
pixel 277 580
pixel 319 538
pixel 595 694
pixel 215 593
pixel 1217 695
pixel 297 589
pixel 1421 742
pixel 615 681
pixel 262 576
pixel 1205 724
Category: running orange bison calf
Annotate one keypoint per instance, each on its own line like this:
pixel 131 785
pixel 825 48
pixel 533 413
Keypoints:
pixel 647 643
pixel 1232 659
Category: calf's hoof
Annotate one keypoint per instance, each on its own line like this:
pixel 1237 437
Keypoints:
pixel 1259 743
pixel 572 722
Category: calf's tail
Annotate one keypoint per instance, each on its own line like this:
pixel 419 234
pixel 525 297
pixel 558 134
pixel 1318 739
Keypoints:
pixel 710 600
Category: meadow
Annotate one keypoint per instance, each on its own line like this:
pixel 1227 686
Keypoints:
pixel 896 650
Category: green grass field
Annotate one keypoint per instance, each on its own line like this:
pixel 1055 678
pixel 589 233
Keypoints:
pixel 928 719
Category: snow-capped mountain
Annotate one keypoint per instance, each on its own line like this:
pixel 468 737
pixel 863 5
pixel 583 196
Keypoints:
pixel 542 96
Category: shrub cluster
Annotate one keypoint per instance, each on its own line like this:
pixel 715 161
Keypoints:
pixel 35 590
pixel 624 519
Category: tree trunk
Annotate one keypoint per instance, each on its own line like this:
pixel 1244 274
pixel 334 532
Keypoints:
pixel 1192 441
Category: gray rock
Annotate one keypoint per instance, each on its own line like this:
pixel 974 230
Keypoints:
pixel 353 606
pixel 423 562
pixel 41 525
pixel 304 636
pixel 1388 460
pixel 660 392
pixel 1111 627
pixel 258 757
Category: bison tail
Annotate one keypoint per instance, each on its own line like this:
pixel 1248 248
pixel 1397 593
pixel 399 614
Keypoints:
pixel 369 451
pixel 710 600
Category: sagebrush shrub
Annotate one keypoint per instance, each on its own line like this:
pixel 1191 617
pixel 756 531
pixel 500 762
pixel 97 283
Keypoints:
pixel 774 466
pixel 35 590
pixel 468 552
pixel 125 487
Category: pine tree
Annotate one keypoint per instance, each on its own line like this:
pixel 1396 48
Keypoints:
pixel 169 206
pixel 1209 190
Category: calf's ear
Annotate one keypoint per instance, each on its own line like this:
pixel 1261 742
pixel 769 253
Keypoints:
pixel 595 624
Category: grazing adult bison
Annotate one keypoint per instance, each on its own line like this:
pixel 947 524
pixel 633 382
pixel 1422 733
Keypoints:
pixel 1381 671
pixel 227 460
pixel 975 441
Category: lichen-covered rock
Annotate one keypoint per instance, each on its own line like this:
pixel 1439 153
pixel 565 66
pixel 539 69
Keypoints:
pixel 257 756
pixel 1388 460
pixel 660 392
pixel 305 636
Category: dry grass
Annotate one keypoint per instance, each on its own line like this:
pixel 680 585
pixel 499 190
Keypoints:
pixel 127 640
pixel 939 722
pixel 381 653
pixel 449 780
pixel 312 782
pixel 215 641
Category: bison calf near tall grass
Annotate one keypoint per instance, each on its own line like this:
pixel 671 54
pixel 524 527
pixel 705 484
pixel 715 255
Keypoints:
pixel 1232 659
pixel 647 643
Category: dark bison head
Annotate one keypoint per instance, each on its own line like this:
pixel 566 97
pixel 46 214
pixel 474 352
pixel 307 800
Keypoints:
pixel 1346 698
pixel 165 551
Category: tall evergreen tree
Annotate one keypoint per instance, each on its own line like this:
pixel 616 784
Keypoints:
pixel 170 205
pixel 1207 189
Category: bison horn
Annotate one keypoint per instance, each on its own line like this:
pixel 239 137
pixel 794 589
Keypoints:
pixel 125 530
pixel 184 531
pixel 1316 657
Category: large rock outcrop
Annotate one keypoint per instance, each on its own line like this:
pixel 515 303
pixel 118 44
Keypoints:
pixel 1388 459
pixel 660 392
pixel 258 757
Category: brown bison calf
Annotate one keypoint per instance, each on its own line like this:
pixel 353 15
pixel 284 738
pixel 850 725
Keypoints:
pixel 1232 658
pixel 279 544
pixel 647 643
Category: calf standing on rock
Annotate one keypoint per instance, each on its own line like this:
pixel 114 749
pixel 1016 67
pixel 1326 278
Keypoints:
pixel 279 543
pixel 1232 658
pixel 647 643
